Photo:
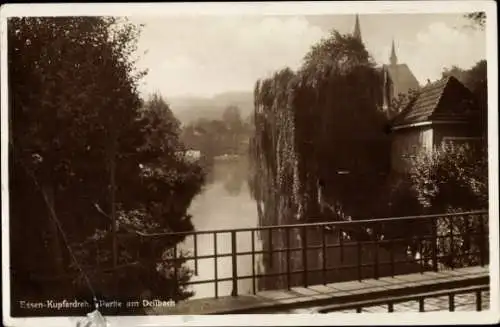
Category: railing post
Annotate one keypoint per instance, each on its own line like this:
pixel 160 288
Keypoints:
pixel 359 259
pixel 216 278
pixel 270 242
pixel 479 304
pixel 304 255
pixel 234 256
pixel 341 241
pixel 376 256
pixel 195 244
pixel 323 234
pixel 468 239
pixel 481 241
pixel 421 251
pixel 288 275
pixel 452 257
pixel 451 302
pixel 254 286
pixel 435 265
pixel 391 253
pixel 421 305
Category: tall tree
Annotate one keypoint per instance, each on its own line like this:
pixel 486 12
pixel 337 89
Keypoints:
pixel 319 148
pixel 456 72
pixel 82 150
pixel 319 131
pixel 476 79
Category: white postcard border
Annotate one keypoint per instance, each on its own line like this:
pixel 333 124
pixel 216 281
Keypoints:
pixel 269 8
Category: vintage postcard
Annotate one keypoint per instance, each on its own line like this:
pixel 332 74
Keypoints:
pixel 288 163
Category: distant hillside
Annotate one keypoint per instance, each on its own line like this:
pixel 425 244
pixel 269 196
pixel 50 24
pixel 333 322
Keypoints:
pixel 188 109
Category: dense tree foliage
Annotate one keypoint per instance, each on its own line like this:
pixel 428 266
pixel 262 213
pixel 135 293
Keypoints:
pixel 85 148
pixel 476 80
pixel 478 19
pixel 454 178
pixel 399 102
pixel 217 137
pixel 319 134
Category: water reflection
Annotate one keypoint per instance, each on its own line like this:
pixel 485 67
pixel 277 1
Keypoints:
pixel 225 203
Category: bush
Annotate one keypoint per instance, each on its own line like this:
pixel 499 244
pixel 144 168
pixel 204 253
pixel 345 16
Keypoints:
pixel 450 179
pixel 454 178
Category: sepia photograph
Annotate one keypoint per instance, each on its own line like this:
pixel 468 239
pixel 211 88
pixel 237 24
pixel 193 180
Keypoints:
pixel 296 163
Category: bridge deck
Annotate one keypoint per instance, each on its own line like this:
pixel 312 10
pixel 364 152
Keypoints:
pixel 317 295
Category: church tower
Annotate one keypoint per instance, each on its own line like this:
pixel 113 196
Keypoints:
pixel 398 79
pixel 357 30
pixel 393 59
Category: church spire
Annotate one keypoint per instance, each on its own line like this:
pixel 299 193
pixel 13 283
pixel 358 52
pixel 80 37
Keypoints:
pixel 393 59
pixel 357 30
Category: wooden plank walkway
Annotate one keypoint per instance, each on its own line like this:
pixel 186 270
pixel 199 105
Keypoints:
pixel 300 297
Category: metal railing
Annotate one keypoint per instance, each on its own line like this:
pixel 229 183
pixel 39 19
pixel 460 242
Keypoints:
pixel 390 302
pixel 443 241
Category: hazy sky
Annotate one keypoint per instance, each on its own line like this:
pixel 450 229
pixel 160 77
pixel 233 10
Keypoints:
pixel 202 56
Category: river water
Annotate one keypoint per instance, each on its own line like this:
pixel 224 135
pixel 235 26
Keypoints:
pixel 225 203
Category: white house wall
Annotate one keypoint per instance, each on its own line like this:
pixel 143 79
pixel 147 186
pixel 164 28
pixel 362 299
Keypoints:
pixel 406 143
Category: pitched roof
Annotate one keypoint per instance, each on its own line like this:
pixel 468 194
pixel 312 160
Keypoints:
pixel 446 99
pixel 402 78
